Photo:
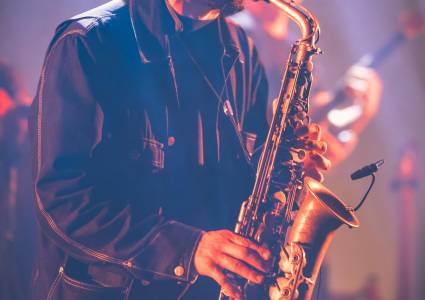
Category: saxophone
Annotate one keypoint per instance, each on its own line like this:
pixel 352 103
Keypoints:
pixel 294 216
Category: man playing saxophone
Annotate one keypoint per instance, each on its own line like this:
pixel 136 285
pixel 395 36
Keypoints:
pixel 138 168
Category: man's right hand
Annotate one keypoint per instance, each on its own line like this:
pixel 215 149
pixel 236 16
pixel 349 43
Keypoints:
pixel 223 251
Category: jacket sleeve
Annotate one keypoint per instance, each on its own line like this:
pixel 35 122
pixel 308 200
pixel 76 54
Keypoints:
pixel 67 123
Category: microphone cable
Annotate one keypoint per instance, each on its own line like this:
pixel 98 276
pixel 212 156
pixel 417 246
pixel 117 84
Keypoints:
pixel 368 170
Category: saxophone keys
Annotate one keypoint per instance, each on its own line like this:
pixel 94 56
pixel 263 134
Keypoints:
pixel 280 197
pixel 298 156
pixel 281 290
pixel 301 154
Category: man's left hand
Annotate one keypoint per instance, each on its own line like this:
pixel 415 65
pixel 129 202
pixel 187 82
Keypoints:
pixel 309 140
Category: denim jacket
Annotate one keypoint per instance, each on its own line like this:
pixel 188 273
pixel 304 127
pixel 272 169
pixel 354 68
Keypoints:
pixel 100 122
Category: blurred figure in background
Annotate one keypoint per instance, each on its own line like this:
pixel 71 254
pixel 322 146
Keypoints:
pixel 16 213
pixel 341 122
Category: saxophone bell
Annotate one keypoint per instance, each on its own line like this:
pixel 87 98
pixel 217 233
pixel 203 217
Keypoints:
pixel 320 214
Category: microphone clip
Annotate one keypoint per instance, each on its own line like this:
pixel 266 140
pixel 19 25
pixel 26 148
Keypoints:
pixel 363 172
pixel 367 170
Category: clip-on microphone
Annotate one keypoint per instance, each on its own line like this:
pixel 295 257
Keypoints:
pixel 368 170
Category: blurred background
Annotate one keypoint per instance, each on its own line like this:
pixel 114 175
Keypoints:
pixel 376 261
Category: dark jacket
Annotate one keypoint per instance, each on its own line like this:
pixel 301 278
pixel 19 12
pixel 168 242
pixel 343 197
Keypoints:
pixel 101 123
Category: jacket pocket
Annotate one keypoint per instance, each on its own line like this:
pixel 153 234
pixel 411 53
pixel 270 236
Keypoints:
pixel 154 152
pixel 67 288
pixel 149 153
pixel 249 140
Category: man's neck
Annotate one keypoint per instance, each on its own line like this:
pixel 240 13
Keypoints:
pixel 194 9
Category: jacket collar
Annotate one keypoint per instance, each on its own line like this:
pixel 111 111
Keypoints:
pixel 154 20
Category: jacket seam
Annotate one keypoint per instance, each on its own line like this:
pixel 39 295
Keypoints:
pixel 51 223
pixel 54 284
pixel 142 56
pixel 158 273
pixel 128 289
pixel 82 286
pixel 95 21
pixel 89 287
pixel 191 258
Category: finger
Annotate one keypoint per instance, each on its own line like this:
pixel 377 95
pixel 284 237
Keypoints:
pixel 318 146
pixel 310 145
pixel 315 174
pixel 311 131
pixel 240 268
pixel 264 252
pixel 228 285
pixel 248 256
pixel 320 161
pixel 314 131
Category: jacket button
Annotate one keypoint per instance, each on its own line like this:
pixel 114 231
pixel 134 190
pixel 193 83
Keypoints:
pixel 179 271
pixel 145 282
pixel 171 140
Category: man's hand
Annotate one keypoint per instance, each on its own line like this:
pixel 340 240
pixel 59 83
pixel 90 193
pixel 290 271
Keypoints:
pixel 363 86
pixel 223 251
pixel 309 140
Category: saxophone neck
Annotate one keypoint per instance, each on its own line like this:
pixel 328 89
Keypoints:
pixel 305 20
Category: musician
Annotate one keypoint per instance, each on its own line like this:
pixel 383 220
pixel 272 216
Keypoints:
pixel 138 172
pixel 362 85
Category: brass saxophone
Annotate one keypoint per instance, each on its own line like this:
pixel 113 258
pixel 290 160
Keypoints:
pixel 299 224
